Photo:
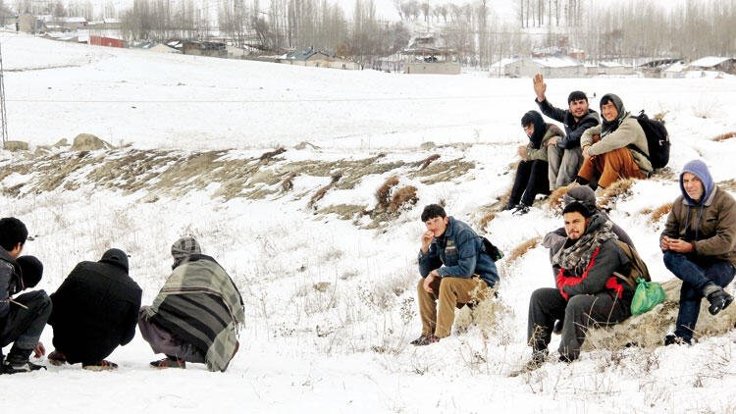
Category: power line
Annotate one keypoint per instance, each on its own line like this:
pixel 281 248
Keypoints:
pixel 3 112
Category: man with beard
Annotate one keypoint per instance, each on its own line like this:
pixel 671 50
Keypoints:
pixel 587 293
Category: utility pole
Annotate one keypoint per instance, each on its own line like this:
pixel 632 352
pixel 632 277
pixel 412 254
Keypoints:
pixel 3 112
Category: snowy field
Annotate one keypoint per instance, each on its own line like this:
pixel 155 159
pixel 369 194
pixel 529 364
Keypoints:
pixel 330 301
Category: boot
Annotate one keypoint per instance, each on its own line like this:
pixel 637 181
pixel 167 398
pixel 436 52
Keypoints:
pixel 719 299
pixel 17 361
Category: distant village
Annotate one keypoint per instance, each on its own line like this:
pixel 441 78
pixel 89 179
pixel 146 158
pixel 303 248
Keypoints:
pixel 425 54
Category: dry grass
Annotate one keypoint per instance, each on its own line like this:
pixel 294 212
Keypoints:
pixel 554 201
pixel 728 184
pixel 486 219
pixel 619 189
pixel 322 191
pixel 520 250
pixel 403 198
pixel 723 137
pixel 649 329
pixel 657 214
pixel 269 156
pixel 383 194
pixel 429 160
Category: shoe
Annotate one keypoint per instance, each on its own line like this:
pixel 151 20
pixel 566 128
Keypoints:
pixel 672 339
pixel 520 210
pixel 719 300
pixel 56 358
pixel 103 365
pixel 425 340
pixel 8 367
pixel 169 362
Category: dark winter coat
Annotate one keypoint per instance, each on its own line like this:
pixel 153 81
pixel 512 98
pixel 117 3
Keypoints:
pixel 597 275
pixel 459 252
pixel 10 281
pixel 95 309
pixel 710 223
pixel 574 128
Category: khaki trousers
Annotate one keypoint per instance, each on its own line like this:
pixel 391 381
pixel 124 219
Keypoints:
pixel 611 166
pixel 451 292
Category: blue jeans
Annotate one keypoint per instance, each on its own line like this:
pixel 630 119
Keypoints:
pixel 694 277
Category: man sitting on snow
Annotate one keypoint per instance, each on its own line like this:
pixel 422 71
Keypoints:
pixel 196 315
pixel 587 291
pixel 699 245
pixel 455 269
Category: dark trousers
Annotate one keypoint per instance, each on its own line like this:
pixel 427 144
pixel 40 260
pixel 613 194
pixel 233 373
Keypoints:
pixel 531 179
pixel 579 313
pixel 24 324
pixel 695 275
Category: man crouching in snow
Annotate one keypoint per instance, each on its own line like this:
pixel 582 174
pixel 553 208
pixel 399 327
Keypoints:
pixel 196 315
pixel 587 291
pixel 455 270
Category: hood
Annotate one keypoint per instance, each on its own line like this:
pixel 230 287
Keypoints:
pixel 700 170
pixel 540 128
pixel 608 127
pixel 116 257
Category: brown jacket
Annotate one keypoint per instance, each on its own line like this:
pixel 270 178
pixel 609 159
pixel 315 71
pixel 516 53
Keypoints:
pixel 711 227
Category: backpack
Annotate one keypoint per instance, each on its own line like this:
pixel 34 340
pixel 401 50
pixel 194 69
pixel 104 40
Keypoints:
pixel 638 269
pixel 658 140
pixel 491 250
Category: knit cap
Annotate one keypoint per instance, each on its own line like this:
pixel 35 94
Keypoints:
pixel 184 247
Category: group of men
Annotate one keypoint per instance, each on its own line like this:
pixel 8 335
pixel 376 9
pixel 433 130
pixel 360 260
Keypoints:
pixel 588 151
pixel 194 318
pixel 587 257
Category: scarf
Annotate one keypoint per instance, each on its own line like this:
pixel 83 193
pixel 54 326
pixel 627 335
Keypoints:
pixel 574 256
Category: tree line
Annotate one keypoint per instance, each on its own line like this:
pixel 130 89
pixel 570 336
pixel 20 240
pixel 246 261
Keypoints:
pixel 624 29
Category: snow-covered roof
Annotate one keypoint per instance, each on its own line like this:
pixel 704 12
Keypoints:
pixel 76 19
pixel 610 64
pixel 676 67
pixel 556 62
pixel 708 62
pixel 503 62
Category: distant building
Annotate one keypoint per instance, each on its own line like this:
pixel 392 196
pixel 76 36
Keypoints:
pixel 609 69
pixel 29 23
pixel 715 64
pixel 106 41
pixel 654 68
pixel 202 48
pixel 550 67
pixel 317 59
pixel 429 54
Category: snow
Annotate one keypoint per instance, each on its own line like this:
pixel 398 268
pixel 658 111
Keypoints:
pixel 344 348
pixel 708 62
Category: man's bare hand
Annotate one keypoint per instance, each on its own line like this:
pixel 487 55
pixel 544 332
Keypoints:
pixel 522 151
pixel 553 141
pixel 39 350
pixel 427 238
pixel 429 280
pixel 540 88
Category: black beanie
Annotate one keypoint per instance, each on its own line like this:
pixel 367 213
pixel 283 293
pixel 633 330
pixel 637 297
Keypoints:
pixel 32 270
pixel 115 257
pixel 577 207
pixel 576 96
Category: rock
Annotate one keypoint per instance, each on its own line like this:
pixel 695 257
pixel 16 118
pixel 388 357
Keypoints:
pixel 89 142
pixel 61 143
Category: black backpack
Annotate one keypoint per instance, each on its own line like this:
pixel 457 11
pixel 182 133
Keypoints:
pixel 491 250
pixel 658 140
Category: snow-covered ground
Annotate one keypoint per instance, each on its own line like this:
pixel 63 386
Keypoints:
pixel 330 302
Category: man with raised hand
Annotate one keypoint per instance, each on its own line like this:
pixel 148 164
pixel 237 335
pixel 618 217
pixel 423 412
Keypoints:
pixel 23 317
pixel 564 153
pixel 455 270
pixel 699 245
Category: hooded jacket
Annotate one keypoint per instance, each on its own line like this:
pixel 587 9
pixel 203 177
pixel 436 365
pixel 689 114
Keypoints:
pixel 622 132
pixel 95 309
pixel 708 223
pixel 539 152
pixel 574 128
pixel 458 252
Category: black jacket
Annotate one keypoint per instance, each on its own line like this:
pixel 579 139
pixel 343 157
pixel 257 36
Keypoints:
pixel 95 310
pixel 573 129
pixel 10 282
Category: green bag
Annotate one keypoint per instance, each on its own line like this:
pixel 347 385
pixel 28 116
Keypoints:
pixel 647 296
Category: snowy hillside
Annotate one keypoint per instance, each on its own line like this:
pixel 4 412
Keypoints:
pixel 328 282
